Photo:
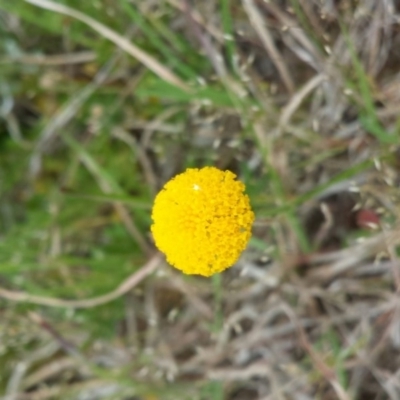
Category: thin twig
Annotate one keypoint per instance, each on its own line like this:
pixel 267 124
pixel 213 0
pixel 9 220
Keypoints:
pixel 122 289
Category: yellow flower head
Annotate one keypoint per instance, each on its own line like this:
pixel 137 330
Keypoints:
pixel 202 220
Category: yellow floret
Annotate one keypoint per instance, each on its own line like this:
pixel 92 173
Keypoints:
pixel 202 220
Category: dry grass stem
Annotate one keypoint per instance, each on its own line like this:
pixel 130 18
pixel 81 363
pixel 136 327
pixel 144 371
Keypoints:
pixel 268 42
pixel 151 63
pixel 121 290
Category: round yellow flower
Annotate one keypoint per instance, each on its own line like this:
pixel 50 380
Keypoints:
pixel 202 220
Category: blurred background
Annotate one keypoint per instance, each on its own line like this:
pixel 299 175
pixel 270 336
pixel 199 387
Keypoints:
pixel 103 101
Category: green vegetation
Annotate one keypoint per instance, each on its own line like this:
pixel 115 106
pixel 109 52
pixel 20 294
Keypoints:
pixel 101 102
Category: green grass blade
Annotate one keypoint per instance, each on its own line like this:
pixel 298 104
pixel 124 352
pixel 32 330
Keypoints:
pixel 138 18
pixel 227 25
pixel 369 117
pixel 105 180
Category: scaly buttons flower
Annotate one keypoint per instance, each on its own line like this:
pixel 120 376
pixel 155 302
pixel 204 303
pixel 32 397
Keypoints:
pixel 202 220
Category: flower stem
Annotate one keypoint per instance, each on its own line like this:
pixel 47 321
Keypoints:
pixel 218 315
